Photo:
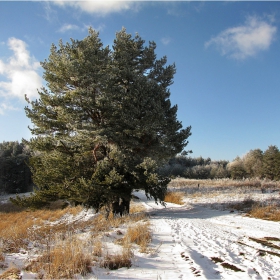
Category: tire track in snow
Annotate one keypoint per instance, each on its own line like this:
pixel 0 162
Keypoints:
pixel 199 234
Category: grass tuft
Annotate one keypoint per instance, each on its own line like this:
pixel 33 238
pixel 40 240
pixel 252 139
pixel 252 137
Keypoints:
pixel 63 261
pixel 174 197
pixel 269 212
pixel 117 261
pixel 139 234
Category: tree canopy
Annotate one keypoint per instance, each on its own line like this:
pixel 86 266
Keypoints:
pixel 103 123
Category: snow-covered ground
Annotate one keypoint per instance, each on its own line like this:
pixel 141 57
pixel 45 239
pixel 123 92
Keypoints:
pixel 195 241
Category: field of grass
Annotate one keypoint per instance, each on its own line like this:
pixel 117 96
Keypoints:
pixel 64 243
pixel 257 198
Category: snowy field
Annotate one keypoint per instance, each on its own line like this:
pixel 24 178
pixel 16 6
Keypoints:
pixel 197 242
pixel 203 239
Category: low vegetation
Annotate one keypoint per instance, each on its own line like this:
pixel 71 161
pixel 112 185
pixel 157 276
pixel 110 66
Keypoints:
pixel 257 198
pixel 269 212
pixel 64 243
pixel 174 197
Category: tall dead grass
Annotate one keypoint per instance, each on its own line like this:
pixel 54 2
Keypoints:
pixel 139 234
pixel 254 183
pixel 118 260
pixel 11 273
pixel 18 228
pixel 62 255
pixel 174 197
pixel 63 261
pixel 269 212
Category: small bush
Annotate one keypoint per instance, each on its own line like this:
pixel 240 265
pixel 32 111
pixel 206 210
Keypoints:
pixel 245 205
pixel 9 207
pixel 174 197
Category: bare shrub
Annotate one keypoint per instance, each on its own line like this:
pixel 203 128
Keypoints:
pixel 9 207
pixel 245 205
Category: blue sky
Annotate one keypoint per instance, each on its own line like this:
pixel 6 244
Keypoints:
pixel 226 53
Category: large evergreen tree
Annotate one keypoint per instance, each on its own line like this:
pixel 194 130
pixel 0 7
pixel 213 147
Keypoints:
pixel 103 123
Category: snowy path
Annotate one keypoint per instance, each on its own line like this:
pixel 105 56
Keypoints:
pixel 187 238
pixel 198 234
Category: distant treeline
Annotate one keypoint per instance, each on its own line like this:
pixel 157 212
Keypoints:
pixel 15 175
pixel 255 164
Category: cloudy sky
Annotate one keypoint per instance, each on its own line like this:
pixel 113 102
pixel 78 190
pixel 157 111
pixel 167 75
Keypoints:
pixel 227 57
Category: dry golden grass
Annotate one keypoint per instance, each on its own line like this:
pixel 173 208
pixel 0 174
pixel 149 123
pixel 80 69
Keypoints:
pixel 257 183
pixel 101 224
pixel 63 261
pixel 11 273
pixel 118 260
pixel 97 248
pixel 136 208
pixel 139 234
pixel 174 197
pixel 270 212
pixel 16 228
pixel 61 254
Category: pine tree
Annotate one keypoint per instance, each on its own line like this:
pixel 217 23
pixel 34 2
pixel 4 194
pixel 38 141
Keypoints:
pixel 271 163
pixel 103 123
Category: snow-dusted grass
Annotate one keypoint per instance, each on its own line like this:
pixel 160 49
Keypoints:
pixel 139 234
pixel 11 273
pixel 64 243
pixel 210 236
pixel 62 261
pixel 255 183
pixel 258 198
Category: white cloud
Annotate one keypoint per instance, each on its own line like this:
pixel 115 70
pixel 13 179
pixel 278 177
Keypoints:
pixel 100 7
pixel 20 73
pixel 68 27
pixel 246 40
pixel 6 107
pixel 165 40
pixel 50 14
